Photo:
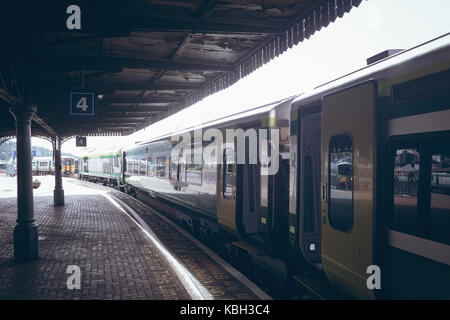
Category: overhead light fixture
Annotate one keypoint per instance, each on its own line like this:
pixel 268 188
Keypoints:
pixel 100 96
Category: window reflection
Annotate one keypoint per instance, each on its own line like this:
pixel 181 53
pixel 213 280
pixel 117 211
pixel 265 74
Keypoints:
pixel 440 195
pixel 151 167
pixel 161 167
pixel 143 167
pixel 406 182
pixel 340 185
pixel 194 170
pixel 173 170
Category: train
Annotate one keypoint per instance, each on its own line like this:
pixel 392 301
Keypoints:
pixel 102 167
pixel 42 166
pixel 69 165
pixel 46 165
pixel 359 204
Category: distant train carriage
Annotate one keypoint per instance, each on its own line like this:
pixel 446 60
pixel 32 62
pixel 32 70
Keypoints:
pixel 42 166
pixel 69 165
pixel 103 167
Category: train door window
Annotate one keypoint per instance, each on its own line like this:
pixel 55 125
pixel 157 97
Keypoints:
pixel 440 193
pixel 228 162
pixel 340 182
pixel 161 167
pixel 251 187
pixel 406 183
pixel 309 196
pixel 116 160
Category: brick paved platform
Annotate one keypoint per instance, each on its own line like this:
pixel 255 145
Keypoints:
pixel 115 256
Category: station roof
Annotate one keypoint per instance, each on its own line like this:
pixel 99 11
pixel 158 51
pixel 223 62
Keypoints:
pixel 143 60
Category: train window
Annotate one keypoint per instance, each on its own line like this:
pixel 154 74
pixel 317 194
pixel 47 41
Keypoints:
pixel 421 188
pixel 440 194
pixel 129 163
pixel 136 166
pixel 107 166
pixel 193 170
pixel 340 182
pixel 406 183
pixel 85 165
pixel 116 160
pixel 173 170
pixel 133 166
pixel 143 167
pixel 161 167
pixel 151 167
pixel 228 161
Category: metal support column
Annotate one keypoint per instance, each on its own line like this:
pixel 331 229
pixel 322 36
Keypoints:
pixel 58 193
pixel 26 230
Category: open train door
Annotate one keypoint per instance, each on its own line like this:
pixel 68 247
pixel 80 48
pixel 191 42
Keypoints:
pixel 347 201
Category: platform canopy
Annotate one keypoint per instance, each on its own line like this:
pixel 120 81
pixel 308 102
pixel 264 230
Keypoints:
pixel 142 60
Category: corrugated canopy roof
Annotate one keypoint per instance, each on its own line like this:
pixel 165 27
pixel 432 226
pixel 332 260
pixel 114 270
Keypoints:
pixel 148 59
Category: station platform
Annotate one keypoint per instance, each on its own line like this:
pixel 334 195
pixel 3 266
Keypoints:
pixel 123 249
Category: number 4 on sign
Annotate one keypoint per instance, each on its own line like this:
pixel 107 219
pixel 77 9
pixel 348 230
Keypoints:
pixel 82 104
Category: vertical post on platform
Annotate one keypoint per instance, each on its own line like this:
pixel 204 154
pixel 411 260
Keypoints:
pixel 26 230
pixel 58 193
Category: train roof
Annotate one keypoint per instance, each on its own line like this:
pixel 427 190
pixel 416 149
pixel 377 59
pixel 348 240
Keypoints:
pixel 42 158
pixel 103 153
pixel 220 122
pixel 437 53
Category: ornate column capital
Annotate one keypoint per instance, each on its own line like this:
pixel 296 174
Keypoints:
pixel 22 113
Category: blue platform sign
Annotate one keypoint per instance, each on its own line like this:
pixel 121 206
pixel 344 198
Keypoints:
pixel 82 104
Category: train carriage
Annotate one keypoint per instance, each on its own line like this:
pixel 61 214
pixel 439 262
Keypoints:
pixel 103 167
pixel 69 165
pixel 43 166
